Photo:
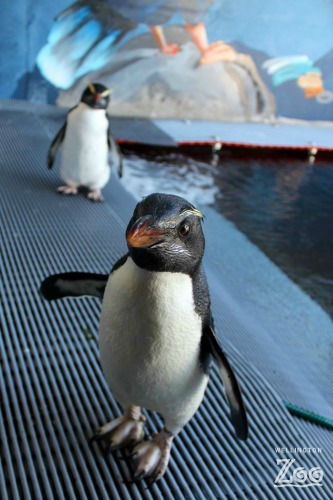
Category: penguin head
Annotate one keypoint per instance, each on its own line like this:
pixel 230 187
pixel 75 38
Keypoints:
pixel 96 96
pixel 165 234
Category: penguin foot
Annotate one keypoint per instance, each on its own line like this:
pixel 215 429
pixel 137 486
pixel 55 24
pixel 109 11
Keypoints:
pixel 218 51
pixel 170 49
pixel 151 458
pixel 67 189
pixel 95 195
pixel 124 431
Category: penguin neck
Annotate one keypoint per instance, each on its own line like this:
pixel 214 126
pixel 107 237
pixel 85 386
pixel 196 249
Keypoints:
pixel 149 261
pixel 83 107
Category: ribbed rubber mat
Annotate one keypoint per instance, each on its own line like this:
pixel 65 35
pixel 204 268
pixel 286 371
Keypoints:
pixel 53 393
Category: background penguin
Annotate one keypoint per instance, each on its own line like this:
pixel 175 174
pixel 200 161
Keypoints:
pixel 87 145
pixel 156 332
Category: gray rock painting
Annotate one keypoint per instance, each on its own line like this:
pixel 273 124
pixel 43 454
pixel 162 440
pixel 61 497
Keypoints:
pixel 146 82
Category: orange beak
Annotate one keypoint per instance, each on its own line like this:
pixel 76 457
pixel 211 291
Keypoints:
pixel 143 233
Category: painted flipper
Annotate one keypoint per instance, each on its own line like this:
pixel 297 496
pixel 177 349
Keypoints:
pixel 55 145
pixel 232 389
pixel 115 153
pixel 82 39
pixel 73 284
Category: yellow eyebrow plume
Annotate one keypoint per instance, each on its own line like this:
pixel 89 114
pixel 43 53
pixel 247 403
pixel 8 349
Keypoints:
pixel 91 87
pixel 193 211
pixel 106 92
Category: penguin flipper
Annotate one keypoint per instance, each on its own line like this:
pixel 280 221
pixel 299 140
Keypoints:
pixel 115 153
pixel 73 284
pixel 82 39
pixel 231 386
pixel 55 145
pixel 77 284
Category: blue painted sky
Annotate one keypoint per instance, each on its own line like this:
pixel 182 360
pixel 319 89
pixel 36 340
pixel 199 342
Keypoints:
pixel 280 27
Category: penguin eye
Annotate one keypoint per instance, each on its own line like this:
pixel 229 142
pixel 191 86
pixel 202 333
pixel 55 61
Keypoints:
pixel 183 229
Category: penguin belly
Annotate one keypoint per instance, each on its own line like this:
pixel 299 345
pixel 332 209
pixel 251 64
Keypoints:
pixel 150 340
pixel 84 159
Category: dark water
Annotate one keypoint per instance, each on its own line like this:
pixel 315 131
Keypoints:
pixel 284 207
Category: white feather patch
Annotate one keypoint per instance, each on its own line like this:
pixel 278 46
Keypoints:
pixel 150 342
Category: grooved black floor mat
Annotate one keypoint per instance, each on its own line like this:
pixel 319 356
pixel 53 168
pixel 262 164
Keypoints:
pixel 53 393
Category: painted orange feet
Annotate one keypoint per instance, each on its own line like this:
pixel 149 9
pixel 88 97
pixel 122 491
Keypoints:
pixel 170 49
pixel 218 51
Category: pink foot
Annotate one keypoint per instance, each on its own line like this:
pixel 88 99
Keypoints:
pixel 67 189
pixel 160 40
pixel 218 51
pixel 95 195
pixel 124 431
pixel 151 458
pixel 170 49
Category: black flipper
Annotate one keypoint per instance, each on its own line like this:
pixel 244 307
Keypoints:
pixel 115 153
pixel 232 389
pixel 77 284
pixel 73 284
pixel 55 145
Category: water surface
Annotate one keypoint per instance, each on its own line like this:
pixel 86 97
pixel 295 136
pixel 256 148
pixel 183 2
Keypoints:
pixel 283 206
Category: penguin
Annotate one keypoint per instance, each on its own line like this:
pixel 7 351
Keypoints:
pixel 87 143
pixel 156 334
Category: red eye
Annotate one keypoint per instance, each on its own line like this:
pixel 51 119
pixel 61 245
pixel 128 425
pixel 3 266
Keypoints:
pixel 183 229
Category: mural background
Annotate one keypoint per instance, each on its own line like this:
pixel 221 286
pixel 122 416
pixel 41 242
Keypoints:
pixel 279 62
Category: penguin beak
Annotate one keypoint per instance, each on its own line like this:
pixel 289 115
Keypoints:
pixel 144 233
pixel 97 98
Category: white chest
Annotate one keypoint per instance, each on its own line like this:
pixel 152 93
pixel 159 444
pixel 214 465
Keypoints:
pixel 87 126
pixel 149 335
pixel 85 149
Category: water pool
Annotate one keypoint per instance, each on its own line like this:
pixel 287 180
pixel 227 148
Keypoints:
pixel 284 206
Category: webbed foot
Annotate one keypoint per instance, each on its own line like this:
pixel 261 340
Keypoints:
pixel 67 189
pixel 124 431
pixel 170 49
pixel 151 458
pixel 218 51
pixel 95 195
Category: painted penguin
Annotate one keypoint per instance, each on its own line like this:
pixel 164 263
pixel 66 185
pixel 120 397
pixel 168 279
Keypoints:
pixel 156 334
pixel 88 34
pixel 86 145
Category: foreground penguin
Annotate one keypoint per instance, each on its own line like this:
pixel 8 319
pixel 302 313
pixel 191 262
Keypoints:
pixel 156 332
pixel 87 145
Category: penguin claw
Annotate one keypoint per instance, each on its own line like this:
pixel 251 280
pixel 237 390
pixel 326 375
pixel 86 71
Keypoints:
pixel 139 475
pixel 112 446
pixel 151 458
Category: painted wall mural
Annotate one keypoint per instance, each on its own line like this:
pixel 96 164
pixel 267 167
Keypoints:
pixel 197 59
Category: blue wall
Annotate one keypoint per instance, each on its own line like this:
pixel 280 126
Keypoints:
pixel 24 25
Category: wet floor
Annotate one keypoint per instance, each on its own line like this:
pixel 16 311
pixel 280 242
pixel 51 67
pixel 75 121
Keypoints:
pixel 283 206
